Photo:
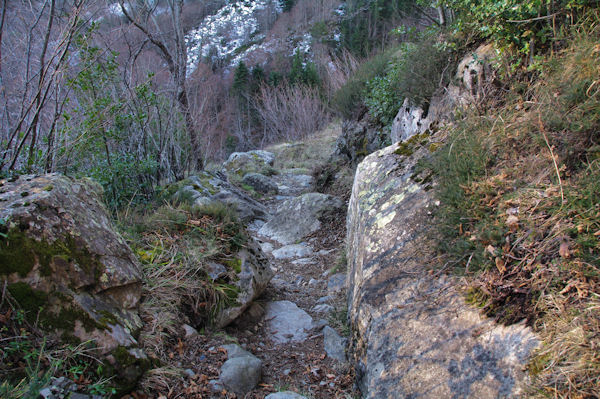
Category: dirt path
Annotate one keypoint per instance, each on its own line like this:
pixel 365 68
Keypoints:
pixel 300 366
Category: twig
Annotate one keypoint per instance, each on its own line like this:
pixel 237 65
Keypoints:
pixel 562 194
pixel 468 263
pixel 523 21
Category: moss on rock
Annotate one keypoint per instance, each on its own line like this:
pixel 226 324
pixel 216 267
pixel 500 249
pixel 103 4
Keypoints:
pixel 20 253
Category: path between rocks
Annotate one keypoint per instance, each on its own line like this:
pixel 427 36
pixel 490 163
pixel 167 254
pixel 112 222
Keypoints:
pixel 295 329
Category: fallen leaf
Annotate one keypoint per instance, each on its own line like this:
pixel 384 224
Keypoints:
pixel 513 223
pixel 500 265
pixel 564 251
pixel 491 249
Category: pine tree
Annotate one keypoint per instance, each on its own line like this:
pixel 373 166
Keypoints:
pixel 240 79
pixel 287 5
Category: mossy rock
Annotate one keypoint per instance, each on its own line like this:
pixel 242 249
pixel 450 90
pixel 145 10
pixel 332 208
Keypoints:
pixel 65 265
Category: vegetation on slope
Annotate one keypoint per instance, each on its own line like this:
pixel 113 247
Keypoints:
pixel 520 215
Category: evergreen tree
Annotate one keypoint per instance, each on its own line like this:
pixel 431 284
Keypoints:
pixel 240 79
pixel 258 78
pixel 303 72
pixel 286 5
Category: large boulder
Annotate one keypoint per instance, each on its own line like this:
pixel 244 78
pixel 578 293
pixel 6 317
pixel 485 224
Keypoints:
pixel 260 183
pixel 298 217
pixel 65 265
pixel 206 188
pixel 240 164
pixel 414 335
pixel 253 273
pixel 358 140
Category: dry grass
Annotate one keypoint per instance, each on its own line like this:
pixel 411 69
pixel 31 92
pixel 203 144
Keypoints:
pixel 175 245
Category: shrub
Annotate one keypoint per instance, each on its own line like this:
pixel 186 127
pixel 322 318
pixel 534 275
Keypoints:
pixel 348 100
pixel 421 68
pixel 516 25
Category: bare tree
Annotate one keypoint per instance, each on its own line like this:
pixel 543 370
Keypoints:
pixel 167 37
pixel 290 112
pixel 39 55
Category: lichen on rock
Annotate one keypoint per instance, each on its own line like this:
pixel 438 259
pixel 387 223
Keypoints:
pixel 413 333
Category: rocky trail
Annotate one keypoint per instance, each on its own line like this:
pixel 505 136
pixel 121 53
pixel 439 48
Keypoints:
pixel 296 328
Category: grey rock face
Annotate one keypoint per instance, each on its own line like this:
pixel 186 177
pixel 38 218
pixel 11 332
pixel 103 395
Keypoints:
pixel 334 344
pixel 290 184
pixel 287 322
pixel 292 251
pixel 415 336
pixel 62 252
pixel 260 183
pixel 357 141
pixel 206 188
pixel 408 122
pixel 241 374
pixel 285 395
pixel 473 73
pixel 298 217
pixel 242 163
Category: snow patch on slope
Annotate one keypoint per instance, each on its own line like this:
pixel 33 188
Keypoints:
pixel 233 26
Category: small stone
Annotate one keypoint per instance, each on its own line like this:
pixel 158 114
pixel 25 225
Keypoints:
pixel 336 283
pixel 292 251
pixel 216 385
pixel 260 183
pixel 312 281
pixel 304 261
pixel 285 395
pixel 215 270
pixel 287 372
pixel 319 324
pixel 189 372
pixel 324 299
pixel 334 344
pixel 234 351
pixel 287 322
pixel 325 251
pixel 299 280
pixel 189 331
pixel 241 374
pixel 323 308
pixel 266 247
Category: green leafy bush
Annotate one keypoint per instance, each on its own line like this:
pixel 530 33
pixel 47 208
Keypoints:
pixel 126 180
pixel 517 25
pixel 422 67
pixel 349 99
